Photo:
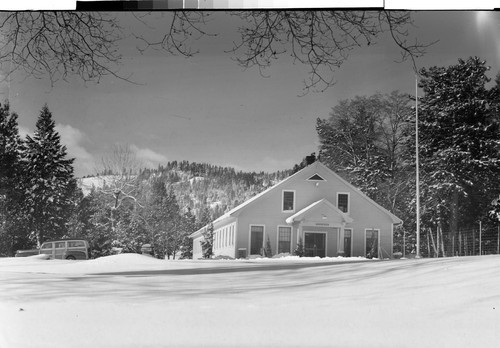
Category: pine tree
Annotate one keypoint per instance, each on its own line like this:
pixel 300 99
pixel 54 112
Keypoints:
pixel 459 144
pixel 11 193
pixel 208 241
pixel 188 226
pixel 208 233
pixel 163 218
pixel 49 182
pixel 299 249
pixel 268 251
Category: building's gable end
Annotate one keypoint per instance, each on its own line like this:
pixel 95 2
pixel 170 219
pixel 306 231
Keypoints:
pixel 335 177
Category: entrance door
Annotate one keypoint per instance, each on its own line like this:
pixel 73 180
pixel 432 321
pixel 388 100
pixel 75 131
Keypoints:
pixel 347 242
pixel 256 240
pixel 371 243
pixel 315 244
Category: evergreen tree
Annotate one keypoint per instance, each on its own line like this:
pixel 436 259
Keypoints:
pixel 11 193
pixel 49 181
pixel 208 234
pixel 100 234
pixel 299 249
pixel 268 251
pixel 459 145
pixel 188 226
pixel 162 214
pixel 89 221
pixel 208 241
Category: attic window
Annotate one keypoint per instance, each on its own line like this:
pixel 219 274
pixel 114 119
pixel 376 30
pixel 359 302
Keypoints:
pixel 316 177
pixel 343 202
pixel 288 201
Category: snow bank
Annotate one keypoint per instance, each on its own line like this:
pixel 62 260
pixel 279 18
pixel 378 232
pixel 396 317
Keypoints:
pixel 137 262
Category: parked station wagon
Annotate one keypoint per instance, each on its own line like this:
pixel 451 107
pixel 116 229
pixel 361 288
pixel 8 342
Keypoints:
pixel 70 249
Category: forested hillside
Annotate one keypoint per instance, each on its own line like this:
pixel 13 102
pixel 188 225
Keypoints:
pixel 201 185
pixel 160 206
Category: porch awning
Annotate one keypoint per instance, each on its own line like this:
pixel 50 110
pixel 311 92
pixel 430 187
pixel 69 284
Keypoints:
pixel 321 210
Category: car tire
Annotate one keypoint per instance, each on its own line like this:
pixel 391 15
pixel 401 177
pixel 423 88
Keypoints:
pixel 70 257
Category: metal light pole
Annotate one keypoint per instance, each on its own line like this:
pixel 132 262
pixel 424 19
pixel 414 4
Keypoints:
pixel 417 169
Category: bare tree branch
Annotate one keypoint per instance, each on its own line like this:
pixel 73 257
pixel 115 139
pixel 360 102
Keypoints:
pixel 60 44
pixel 121 169
pixel 183 27
pixel 321 40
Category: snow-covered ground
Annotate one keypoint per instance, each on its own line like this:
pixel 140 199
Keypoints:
pixel 134 301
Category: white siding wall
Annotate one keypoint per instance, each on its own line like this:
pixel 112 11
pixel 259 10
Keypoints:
pixel 225 240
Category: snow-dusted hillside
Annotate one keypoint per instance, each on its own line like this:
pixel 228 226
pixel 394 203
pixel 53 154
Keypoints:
pixel 197 186
pixel 133 301
pixel 94 182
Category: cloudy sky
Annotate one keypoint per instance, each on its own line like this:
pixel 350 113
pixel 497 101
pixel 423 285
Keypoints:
pixel 208 109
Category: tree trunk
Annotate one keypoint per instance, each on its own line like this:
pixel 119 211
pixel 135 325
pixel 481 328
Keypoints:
pixel 473 242
pixel 453 222
pixel 466 245
pixel 438 241
pixel 442 241
pixel 460 244
pixel 428 245
pixel 436 251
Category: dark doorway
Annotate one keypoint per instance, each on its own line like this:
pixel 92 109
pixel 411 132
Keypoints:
pixel 371 243
pixel 256 240
pixel 315 244
pixel 347 243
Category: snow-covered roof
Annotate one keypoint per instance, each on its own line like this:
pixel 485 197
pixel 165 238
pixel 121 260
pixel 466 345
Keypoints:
pixel 300 214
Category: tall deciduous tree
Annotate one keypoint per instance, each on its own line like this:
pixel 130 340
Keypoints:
pixel 460 144
pixel 121 182
pixel 49 183
pixel 363 141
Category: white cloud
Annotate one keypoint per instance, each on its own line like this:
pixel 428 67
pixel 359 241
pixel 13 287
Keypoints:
pixel 74 139
pixel 148 157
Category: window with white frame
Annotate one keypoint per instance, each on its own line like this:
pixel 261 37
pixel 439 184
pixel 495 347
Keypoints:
pixel 288 201
pixel 343 202
pixel 284 239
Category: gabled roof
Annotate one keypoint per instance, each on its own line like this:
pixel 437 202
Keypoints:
pixel 310 208
pixel 314 167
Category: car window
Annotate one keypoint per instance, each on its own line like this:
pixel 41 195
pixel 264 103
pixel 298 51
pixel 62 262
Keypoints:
pixel 46 246
pixel 76 244
pixel 60 245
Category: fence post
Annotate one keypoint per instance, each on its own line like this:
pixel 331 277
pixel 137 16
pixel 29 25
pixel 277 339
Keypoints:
pixel 473 242
pixel 480 233
pixel 460 243
pixel 498 240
